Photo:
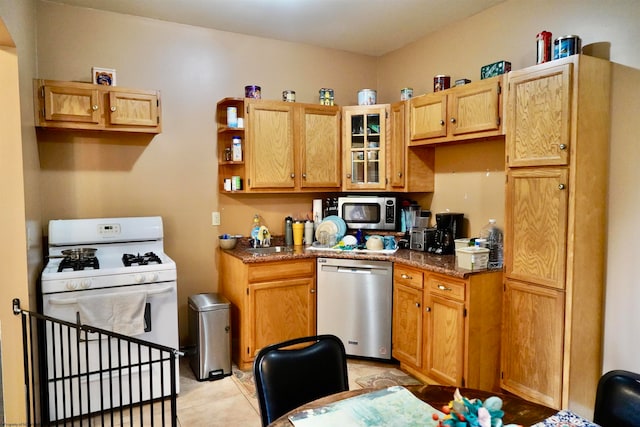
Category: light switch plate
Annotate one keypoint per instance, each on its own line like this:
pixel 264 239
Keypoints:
pixel 215 218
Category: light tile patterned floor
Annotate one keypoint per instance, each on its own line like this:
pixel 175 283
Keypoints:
pixel 226 402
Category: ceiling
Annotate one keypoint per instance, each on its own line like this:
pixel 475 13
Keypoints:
pixel 370 27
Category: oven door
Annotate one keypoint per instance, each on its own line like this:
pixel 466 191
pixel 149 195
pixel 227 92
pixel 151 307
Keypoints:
pixel 104 365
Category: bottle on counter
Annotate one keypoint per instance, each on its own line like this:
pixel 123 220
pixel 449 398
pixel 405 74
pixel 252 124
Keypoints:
pixel 494 242
pixel 288 231
pixel 255 227
pixel 308 232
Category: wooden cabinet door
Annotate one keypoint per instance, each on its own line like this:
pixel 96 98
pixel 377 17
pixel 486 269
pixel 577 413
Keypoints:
pixel 133 109
pixel 536 225
pixel 475 108
pixel 428 116
pixel 319 143
pixel 532 342
pixel 444 339
pixel 281 310
pixel 539 116
pixel 399 122
pixel 72 104
pixel 270 141
pixel 407 324
pixel 364 140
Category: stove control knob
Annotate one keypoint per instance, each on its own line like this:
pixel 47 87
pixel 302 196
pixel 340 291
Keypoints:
pixel 152 277
pixel 70 285
pixel 86 283
pixel 139 278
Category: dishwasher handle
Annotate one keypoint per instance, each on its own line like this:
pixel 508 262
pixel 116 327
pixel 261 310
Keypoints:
pixel 359 270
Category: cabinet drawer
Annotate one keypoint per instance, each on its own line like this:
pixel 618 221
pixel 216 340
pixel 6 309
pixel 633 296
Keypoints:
pixel 446 288
pixel 408 276
pixel 267 271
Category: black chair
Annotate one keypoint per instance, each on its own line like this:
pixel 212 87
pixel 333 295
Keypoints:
pixel 288 378
pixel 618 400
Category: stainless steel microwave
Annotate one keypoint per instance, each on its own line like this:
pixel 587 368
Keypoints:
pixel 368 212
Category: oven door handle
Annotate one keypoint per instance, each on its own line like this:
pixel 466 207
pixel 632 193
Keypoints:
pixel 69 301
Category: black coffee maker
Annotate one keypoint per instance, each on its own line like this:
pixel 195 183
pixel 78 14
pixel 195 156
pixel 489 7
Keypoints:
pixel 448 228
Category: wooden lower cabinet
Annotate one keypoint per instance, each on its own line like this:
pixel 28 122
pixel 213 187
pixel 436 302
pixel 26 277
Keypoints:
pixel 459 340
pixel 270 302
pixel 533 331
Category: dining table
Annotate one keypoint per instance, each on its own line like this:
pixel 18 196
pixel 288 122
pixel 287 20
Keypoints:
pixel 516 410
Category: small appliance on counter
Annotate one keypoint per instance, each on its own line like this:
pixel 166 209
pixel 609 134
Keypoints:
pixel 448 228
pixel 368 212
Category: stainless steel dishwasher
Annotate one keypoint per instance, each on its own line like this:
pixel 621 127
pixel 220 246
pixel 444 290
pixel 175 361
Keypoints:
pixel 354 303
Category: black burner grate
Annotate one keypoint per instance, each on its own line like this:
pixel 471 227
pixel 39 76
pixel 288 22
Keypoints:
pixel 69 263
pixel 148 258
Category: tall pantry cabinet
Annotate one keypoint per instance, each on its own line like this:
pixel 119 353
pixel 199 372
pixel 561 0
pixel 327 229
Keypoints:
pixel 557 145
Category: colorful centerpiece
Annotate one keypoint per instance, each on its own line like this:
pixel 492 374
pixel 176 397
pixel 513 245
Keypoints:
pixel 463 412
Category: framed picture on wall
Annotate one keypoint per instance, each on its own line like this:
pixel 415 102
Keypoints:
pixel 103 76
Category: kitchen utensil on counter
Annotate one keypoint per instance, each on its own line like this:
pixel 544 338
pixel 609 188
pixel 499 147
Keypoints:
pixel 390 242
pixel 227 241
pixel 288 231
pixel 298 233
pixel 308 232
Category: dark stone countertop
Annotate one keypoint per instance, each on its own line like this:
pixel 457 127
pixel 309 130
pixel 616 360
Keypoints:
pixel 444 264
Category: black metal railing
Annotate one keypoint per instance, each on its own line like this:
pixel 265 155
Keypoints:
pixel 79 375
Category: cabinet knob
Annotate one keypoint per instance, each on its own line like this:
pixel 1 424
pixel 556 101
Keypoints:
pixel 563 147
pixel 443 288
pixel 293 175
pixel 418 304
pixel 406 276
pixel 427 309
pixel 441 122
pixel 113 109
pixel 304 176
pixel 313 291
pixel 561 187
pixel 452 120
pixel 399 174
pixel 94 107
pixel 349 175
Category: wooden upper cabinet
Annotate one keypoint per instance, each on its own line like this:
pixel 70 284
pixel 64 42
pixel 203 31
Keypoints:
pixel 429 116
pixel 66 104
pixel 133 108
pixel 464 112
pixel 85 106
pixel 291 146
pixel 319 147
pixel 536 233
pixel 410 169
pixel 539 116
pixel 270 140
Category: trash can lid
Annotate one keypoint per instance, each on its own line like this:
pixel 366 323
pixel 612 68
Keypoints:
pixel 208 302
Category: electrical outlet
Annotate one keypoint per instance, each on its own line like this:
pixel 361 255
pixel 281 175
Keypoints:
pixel 215 218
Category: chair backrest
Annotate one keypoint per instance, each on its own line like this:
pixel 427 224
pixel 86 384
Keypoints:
pixel 288 378
pixel 618 400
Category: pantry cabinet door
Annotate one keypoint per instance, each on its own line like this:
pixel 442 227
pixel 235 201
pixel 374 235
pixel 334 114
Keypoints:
pixel 536 225
pixel 539 117
pixel 319 136
pixel 532 342
pixel 270 139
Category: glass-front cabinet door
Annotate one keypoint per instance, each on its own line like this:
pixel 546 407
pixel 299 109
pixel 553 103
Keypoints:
pixel 364 144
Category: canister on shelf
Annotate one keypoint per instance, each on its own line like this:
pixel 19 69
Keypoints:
pixel 252 91
pixel 232 117
pixel 236 183
pixel 406 93
pixel 289 96
pixel 543 47
pixel 227 156
pixel 227 184
pixel 367 97
pixel 326 96
pixel 566 46
pixel 441 82
pixel 236 145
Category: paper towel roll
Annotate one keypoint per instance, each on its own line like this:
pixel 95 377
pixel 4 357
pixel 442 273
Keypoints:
pixel 317 211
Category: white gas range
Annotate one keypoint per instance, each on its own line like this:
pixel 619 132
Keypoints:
pixel 114 263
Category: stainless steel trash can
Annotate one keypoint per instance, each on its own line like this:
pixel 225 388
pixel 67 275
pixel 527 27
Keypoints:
pixel 210 333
